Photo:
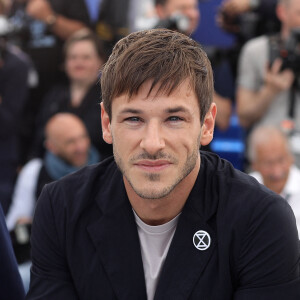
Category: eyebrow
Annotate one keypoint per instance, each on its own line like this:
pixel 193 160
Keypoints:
pixel 176 110
pixel 168 110
pixel 130 111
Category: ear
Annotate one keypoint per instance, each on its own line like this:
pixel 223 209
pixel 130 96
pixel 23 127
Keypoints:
pixel 281 12
pixel 208 126
pixel 106 128
pixel 50 146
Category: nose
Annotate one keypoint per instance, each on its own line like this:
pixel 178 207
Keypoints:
pixel 82 144
pixel 152 141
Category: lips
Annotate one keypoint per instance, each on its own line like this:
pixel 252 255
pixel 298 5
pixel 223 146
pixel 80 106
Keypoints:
pixel 153 166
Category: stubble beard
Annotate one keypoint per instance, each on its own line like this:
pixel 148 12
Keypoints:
pixel 152 193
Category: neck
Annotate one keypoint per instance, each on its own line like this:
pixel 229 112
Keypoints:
pixel 284 33
pixel 78 92
pixel 81 84
pixel 162 210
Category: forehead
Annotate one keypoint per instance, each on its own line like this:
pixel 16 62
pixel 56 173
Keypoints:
pixel 270 151
pixel 181 3
pixel 292 5
pixel 183 95
pixel 82 45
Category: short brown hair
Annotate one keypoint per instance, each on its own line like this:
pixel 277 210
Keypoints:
pixel 163 56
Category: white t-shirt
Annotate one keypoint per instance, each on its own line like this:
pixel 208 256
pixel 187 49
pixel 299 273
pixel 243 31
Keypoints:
pixel 155 242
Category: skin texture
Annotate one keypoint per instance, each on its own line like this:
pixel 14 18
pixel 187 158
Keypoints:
pixel 156 143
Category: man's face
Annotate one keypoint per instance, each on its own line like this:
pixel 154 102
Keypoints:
pixel 273 161
pixel 72 144
pixel 289 14
pixel 156 140
pixel 189 8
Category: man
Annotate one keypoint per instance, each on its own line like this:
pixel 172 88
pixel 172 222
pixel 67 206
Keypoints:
pixel 190 9
pixel 68 149
pixel 11 285
pixel 237 7
pixel 272 161
pixel 161 221
pixel 263 94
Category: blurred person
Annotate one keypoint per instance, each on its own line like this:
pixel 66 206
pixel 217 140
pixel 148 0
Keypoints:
pixel 81 95
pixel 237 7
pixel 273 165
pixel 49 24
pixel 184 223
pixel 11 286
pixel 267 88
pixel 141 15
pixel 41 27
pixel 14 72
pixel 113 22
pixel 68 149
pixel 190 9
pixel 233 13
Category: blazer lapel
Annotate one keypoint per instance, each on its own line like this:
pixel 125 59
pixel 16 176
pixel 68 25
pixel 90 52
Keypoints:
pixel 116 239
pixel 185 263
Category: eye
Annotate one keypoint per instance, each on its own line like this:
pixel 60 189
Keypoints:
pixel 175 119
pixel 133 119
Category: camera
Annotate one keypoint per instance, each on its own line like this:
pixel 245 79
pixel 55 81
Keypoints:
pixel 288 51
pixel 176 22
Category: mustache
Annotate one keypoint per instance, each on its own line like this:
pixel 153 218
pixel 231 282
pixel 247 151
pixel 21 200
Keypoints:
pixel 158 155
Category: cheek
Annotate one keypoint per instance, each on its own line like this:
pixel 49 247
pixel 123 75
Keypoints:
pixel 69 66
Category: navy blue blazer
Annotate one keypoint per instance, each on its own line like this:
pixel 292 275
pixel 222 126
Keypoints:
pixel 11 286
pixel 85 243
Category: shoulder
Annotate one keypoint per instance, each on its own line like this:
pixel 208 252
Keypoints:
pixel 254 225
pixel 292 186
pixel 29 173
pixel 295 172
pixel 82 185
pixel 257 176
pixel 237 193
pixel 33 166
pixel 259 43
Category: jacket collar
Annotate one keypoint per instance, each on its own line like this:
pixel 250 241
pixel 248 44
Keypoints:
pixel 185 263
pixel 116 239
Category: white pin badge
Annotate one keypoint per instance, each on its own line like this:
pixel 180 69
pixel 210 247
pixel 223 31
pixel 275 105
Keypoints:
pixel 201 240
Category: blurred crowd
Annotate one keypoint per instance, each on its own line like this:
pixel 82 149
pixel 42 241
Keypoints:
pixel 51 54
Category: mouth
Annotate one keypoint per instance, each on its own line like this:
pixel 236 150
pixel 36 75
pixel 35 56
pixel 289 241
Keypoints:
pixel 153 166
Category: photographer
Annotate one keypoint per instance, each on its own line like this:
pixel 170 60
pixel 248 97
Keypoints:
pixel 233 13
pixel 264 92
